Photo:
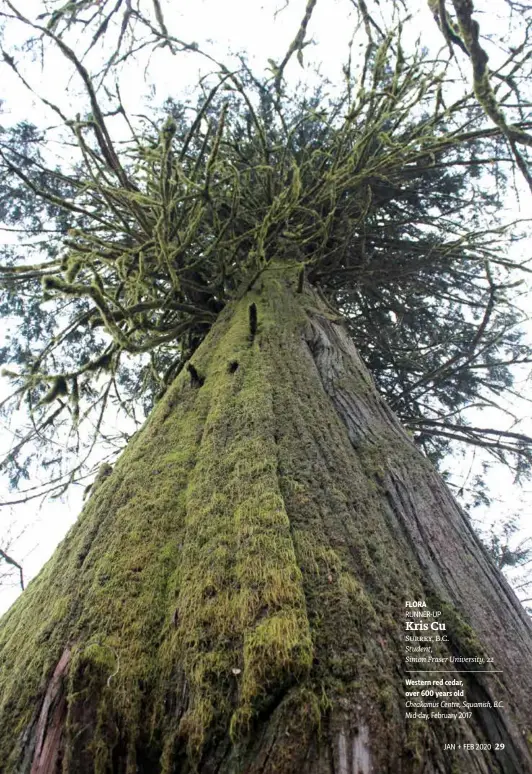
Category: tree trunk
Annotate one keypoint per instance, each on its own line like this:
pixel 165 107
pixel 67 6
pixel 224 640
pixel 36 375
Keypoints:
pixel 232 597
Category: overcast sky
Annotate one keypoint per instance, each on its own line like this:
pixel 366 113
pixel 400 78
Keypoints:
pixel 264 30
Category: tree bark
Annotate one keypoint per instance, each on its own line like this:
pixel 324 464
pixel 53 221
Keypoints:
pixel 232 597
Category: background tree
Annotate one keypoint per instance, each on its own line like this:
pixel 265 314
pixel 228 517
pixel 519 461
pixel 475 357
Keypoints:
pixel 218 264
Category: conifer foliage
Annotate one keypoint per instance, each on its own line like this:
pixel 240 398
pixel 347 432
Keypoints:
pixel 233 596
pixel 384 193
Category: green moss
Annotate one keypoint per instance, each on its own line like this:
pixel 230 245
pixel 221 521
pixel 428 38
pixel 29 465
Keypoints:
pixel 60 608
pixel 387 698
pixel 373 458
pixel 462 637
pixel 312 554
pixel 416 741
pixel 110 579
pixel 237 566
pixel 240 585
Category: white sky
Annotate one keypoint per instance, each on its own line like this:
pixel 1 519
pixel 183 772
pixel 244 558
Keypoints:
pixel 235 25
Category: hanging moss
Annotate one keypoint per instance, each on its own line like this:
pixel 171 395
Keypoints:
pixel 59 387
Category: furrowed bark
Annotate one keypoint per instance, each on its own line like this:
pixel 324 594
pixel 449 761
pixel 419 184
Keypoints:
pixel 232 596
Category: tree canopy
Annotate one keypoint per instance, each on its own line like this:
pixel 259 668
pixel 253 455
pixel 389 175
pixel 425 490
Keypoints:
pixel 131 231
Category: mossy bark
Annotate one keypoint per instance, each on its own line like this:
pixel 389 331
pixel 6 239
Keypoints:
pixel 232 596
